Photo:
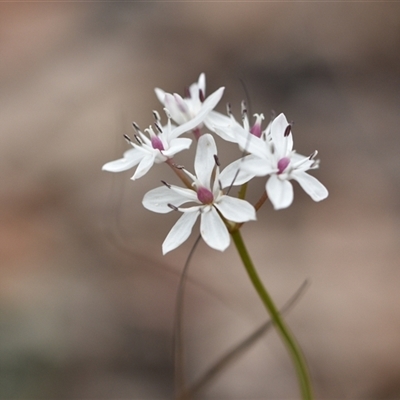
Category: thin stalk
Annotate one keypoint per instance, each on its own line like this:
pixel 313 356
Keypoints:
pixel 178 171
pixel 242 191
pixel 181 392
pixel 261 201
pixel 288 339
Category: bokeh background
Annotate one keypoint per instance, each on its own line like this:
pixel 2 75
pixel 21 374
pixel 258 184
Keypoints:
pixel 86 298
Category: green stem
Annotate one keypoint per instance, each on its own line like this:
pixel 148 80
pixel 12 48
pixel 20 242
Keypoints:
pixel 288 339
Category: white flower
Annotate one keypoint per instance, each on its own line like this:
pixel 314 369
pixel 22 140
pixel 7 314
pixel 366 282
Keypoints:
pixel 193 104
pixel 230 131
pixel 273 155
pixel 155 149
pixel 211 202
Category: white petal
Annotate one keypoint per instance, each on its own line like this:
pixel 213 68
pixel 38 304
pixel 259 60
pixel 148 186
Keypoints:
pixel 144 166
pixel 157 199
pixel 202 82
pixel 181 104
pixel 257 166
pixel 207 106
pixel 250 143
pixel 177 145
pixel 174 110
pixel 189 194
pixel 212 100
pixel 204 161
pixel 216 119
pixel 224 132
pixel 160 95
pixel 235 173
pixel 280 192
pixel 194 91
pixel 236 210
pixel 213 230
pixel 180 231
pixel 131 158
pixel 302 163
pixel 312 186
pixel 283 145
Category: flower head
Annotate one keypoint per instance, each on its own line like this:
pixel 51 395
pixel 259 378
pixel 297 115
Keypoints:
pixel 273 155
pixel 155 147
pixel 195 103
pixel 213 206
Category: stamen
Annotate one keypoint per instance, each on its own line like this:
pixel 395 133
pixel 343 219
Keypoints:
pixel 229 109
pixel 158 127
pixel 166 184
pixel 136 127
pixel 216 159
pixel 128 139
pixel 173 207
pixel 138 139
pixel 244 108
pixel 202 97
pixel 287 130
pixel 156 116
pixel 313 155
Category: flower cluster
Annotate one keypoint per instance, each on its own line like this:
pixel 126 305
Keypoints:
pixel 264 152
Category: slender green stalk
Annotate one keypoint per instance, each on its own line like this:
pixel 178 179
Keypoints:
pixel 288 339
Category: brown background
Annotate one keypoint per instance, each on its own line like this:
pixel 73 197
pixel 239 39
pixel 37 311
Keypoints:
pixel 87 299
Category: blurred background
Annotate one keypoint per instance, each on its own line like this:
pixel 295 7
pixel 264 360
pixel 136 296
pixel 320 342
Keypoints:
pixel 86 297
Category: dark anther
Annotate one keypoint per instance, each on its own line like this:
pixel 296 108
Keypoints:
pixel 128 138
pixel 288 130
pixel 156 115
pixel 201 96
pixel 173 207
pixel 136 126
pixel 158 127
pixel 244 107
pixel 166 184
pixel 313 155
pixel 229 109
pixel 216 160
pixel 138 139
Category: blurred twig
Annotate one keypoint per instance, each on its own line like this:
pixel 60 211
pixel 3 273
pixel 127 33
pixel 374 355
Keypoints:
pixel 238 350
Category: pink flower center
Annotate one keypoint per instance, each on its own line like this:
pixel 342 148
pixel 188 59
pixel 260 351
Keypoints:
pixel 256 130
pixel 205 196
pixel 282 164
pixel 157 143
